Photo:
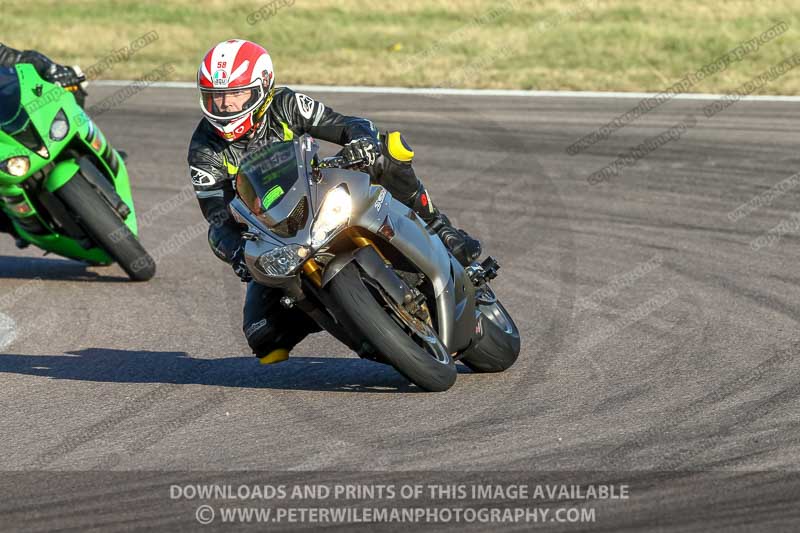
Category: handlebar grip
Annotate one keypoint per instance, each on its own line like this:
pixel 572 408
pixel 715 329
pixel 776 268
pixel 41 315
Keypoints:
pixel 340 162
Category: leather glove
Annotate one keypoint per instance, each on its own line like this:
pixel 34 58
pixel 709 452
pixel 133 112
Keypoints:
pixel 239 266
pixel 64 76
pixel 364 151
pixel 67 77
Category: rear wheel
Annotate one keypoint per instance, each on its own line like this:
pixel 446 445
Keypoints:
pixel 106 229
pixel 410 345
pixel 498 345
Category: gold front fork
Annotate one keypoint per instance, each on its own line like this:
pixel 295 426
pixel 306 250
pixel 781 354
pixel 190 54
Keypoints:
pixel 314 272
pixel 361 242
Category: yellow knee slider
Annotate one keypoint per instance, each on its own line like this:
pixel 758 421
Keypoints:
pixel 275 356
pixel 397 147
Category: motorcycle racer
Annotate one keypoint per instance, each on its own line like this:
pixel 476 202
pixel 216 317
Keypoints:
pixel 244 110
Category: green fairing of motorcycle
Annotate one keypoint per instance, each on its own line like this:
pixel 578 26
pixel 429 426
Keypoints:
pixel 62 184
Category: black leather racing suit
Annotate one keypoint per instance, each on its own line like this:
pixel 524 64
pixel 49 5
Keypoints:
pixel 10 57
pixel 213 163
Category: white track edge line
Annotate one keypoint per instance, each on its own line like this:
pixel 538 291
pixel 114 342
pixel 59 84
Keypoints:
pixel 8 331
pixel 466 92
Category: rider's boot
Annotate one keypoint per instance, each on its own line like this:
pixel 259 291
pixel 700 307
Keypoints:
pixel 463 247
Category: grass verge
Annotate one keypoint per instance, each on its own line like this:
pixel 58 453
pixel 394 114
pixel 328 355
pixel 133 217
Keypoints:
pixel 614 45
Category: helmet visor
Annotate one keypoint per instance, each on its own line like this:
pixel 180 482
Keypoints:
pixel 228 104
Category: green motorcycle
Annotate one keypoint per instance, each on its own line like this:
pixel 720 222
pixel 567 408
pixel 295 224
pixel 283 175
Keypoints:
pixel 63 186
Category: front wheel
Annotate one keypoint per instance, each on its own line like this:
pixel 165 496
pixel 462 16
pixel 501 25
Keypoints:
pixel 408 344
pixel 106 229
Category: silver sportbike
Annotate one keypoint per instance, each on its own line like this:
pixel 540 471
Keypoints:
pixel 366 268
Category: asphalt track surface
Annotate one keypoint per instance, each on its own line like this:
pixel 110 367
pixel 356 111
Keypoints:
pixel 659 345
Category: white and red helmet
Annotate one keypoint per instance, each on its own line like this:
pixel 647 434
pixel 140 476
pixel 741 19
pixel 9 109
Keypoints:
pixel 232 67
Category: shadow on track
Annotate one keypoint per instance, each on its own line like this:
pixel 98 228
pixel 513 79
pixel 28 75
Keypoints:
pixel 329 374
pixel 51 269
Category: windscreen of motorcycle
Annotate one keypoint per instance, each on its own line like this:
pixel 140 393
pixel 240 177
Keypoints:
pixel 265 176
pixel 13 117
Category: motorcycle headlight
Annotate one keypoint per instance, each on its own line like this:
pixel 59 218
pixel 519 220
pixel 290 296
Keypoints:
pixel 334 213
pixel 282 261
pixel 59 127
pixel 16 166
